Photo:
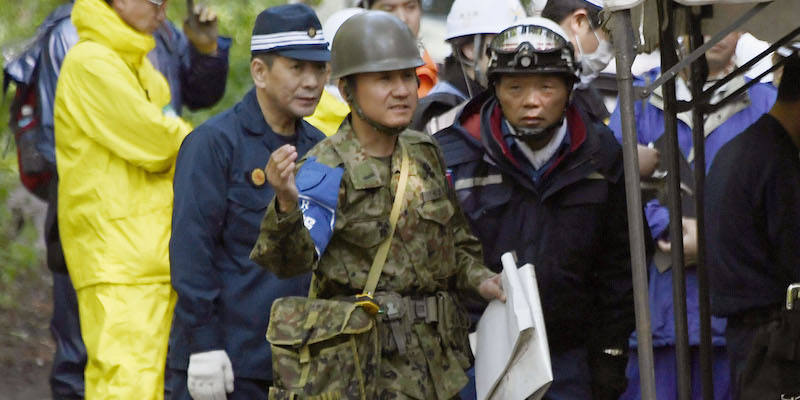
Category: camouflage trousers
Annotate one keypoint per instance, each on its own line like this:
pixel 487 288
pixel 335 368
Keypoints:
pixel 427 370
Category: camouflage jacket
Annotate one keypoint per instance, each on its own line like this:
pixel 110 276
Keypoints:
pixel 432 249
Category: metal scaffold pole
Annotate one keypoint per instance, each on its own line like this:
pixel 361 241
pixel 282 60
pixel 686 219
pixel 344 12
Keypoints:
pixel 624 47
pixel 669 58
pixel 699 75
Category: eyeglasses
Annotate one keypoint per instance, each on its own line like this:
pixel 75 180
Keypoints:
pixel 541 39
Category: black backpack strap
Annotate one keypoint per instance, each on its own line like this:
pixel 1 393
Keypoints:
pixel 10 136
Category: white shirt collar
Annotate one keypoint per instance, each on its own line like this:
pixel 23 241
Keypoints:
pixel 540 157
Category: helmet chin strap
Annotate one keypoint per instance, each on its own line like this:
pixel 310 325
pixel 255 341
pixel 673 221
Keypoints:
pixel 538 132
pixel 386 130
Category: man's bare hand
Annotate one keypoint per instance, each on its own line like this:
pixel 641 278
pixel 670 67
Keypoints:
pixel 689 227
pixel 492 288
pixel 201 29
pixel 649 160
pixel 280 174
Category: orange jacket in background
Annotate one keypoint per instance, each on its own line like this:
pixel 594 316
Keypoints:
pixel 428 75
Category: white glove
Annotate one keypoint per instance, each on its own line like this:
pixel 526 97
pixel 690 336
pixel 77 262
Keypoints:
pixel 210 375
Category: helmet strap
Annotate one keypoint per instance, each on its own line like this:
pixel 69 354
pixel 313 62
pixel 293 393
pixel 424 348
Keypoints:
pixel 460 57
pixel 478 43
pixel 466 79
pixel 478 49
pixel 350 96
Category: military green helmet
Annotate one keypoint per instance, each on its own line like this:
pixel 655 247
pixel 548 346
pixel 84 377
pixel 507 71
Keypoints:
pixel 373 41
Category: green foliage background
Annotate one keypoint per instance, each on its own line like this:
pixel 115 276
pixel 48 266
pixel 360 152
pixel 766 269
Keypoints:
pixel 18 21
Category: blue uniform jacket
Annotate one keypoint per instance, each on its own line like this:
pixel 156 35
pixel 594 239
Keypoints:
pixel 224 298
pixel 650 127
pixel 572 226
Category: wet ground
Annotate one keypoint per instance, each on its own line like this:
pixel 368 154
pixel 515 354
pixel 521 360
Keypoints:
pixel 26 348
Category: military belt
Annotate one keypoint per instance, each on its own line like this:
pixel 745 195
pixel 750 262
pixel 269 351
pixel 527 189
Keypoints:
pixel 400 313
pixel 426 309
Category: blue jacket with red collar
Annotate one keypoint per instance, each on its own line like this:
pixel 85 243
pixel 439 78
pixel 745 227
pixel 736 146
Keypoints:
pixel 571 224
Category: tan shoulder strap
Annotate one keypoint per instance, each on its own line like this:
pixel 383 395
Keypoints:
pixel 380 257
pixel 383 250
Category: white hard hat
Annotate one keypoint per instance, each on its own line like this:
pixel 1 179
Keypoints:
pixel 335 21
pixel 596 3
pixel 540 21
pixel 473 17
pixel 532 45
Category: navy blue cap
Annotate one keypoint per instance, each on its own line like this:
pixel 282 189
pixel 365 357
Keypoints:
pixel 292 31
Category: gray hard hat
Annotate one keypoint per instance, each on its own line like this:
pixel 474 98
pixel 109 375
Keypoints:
pixel 373 41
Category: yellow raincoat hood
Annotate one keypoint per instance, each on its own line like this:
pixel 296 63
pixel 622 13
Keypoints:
pixel 116 143
pixel 96 21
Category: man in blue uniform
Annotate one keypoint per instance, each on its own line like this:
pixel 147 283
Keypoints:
pixel 753 244
pixel 721 126
pixel 536 175
pixel 218 343
pixel 195 64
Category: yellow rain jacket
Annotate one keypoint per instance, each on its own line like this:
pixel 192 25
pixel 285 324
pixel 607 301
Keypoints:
pixel 329 114
pixel 116 144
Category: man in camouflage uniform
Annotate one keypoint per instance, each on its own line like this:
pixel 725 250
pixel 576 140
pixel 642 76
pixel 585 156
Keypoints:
pixel 432 255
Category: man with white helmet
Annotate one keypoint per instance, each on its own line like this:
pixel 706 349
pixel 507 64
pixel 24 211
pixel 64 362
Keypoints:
pixel 471 24
pixel 580 19
pixel 536 175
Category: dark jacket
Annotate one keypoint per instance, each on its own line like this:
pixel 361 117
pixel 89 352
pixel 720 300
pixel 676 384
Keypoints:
pixel 590 100
pixel 224 298
pixel 752 193
pixel 572 225
pixel 451 91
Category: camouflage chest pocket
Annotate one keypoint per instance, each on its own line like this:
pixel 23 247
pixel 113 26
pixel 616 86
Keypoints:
pixel 432 232
pixel 357 241
pixel 436 206
pixel 364 232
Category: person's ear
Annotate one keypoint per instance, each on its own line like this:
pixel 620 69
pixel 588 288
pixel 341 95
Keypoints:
pixel 343 90
pixel 579 22
pixel 258 71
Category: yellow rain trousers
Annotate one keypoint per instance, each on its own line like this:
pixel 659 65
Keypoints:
pixel 120 337
pixel 116 144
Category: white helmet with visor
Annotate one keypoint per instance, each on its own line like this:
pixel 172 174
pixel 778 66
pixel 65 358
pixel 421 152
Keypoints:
pixel 533 45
